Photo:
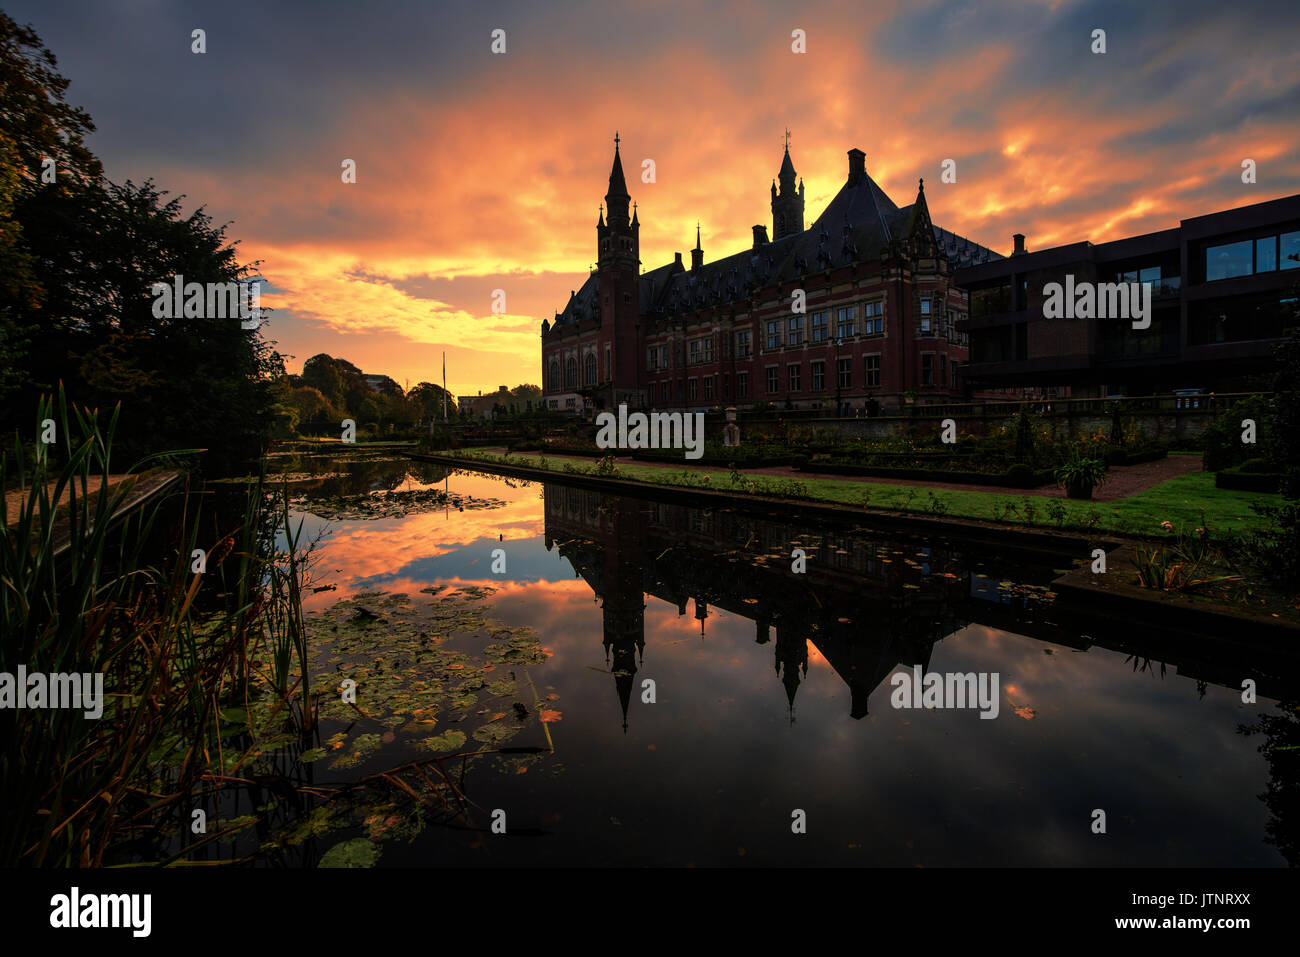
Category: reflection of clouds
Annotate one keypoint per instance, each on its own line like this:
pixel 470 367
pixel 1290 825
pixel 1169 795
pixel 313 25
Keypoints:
pixel 363 549
pixel 1177 781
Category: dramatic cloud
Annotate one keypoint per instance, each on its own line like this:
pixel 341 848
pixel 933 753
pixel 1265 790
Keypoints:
pixel 478 172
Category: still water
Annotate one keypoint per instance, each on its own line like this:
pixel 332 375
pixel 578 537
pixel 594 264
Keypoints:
pixel 690 693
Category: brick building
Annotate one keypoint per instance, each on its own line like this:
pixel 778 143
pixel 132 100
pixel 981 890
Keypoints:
pixel 879 320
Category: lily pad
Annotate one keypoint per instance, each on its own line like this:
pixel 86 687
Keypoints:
pixel 358 852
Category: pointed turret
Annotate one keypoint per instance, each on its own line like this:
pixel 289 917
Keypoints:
pixel 787 205
pixel 920 230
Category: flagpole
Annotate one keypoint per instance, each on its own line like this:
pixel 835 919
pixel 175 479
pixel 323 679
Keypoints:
pixel 444 387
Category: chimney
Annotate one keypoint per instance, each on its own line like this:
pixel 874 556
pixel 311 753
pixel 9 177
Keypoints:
pixel 857 165
pixel 1019 240
pixel 677 260
pixel 760 236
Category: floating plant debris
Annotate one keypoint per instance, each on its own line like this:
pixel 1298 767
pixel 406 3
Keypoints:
pixel 391 504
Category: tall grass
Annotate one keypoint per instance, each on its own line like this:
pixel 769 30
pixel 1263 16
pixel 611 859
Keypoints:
pixel 89 584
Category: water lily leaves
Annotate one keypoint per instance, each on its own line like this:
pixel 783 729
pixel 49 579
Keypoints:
pixel 319 821
pixel 448 741
pixel 312 754
pixel 502 686
pixel 363 747
pixel 388 504
pixel 494 732
pixel 358 852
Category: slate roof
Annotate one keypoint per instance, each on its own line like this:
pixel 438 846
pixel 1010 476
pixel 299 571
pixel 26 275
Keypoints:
pixel 859 223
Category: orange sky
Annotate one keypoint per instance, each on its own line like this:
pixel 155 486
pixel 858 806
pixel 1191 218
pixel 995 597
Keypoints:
pixel 478 172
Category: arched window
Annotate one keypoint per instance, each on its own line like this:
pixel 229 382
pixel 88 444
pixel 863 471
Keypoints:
pixel 589 369
pixel 553 377
pixel 571 373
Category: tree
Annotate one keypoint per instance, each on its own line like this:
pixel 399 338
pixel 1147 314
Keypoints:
pixel 36 125
pixel 314 410
pixel 428 398
pixel 321 372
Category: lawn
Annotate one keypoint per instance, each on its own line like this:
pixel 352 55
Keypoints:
pixel 1187 501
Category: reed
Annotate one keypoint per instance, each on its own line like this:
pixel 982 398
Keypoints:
pixel 88 585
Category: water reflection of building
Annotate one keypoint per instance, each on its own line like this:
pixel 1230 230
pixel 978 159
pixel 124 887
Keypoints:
pixel 866 607
pixel 868 602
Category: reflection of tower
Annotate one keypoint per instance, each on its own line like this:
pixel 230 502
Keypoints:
pixel 624 620
pixel 791 662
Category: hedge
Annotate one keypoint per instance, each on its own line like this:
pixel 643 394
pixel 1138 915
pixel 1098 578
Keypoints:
pixel 1237 479
pixel 1020 478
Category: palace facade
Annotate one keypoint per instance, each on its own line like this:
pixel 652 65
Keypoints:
pixel 879 318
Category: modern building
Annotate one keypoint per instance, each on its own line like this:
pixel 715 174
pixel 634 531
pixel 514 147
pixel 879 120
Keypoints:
pixel 1223 288
pixel 859 305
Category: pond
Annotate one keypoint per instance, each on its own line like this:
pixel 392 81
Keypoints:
pixel 676 694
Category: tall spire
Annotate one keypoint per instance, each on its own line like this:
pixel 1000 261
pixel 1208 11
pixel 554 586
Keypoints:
pixel 617 187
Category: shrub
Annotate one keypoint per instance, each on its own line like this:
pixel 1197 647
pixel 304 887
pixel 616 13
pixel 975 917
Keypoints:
pixel 1222 440
pixel 1020 475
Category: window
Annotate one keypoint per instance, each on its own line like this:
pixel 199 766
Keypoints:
pixel 792 377
pixel 609 366
pixel 818 376
pixel 553 377
pixel 743 346
pixel 874 323
pixel 991 300
pixel 926 315
pixel 845 369
pixel 1228 261
pixel 742 384
pixel 772 383
pixel 873 370
pixel 844 322
pixel 693 387
pixel 774 333
pixel 589 369
pixel 943 370
pixel 571 373
pixel 706 345
pixel 694 352
pixel 819 327
pixel 1289 255
pixel 796 331
pixel 708 387
pixel 652 355
pixel 927 368
pixel 1266 254
pixel 571 402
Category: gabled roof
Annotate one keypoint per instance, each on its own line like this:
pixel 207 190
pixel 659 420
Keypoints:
pixel 583 304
